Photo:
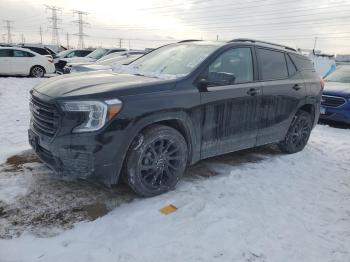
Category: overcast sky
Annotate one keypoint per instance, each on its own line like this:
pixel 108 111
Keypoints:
pixel 148 23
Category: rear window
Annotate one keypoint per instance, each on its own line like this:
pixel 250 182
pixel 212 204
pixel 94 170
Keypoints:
pixel 40 51
pixel 302 63
pixel 273 64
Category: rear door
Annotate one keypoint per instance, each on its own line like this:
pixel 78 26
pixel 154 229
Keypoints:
pixel 230 115
pixel 6 61
pixel 22 62
pixel 283 91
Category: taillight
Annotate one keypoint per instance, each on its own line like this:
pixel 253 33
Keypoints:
pixel 322 83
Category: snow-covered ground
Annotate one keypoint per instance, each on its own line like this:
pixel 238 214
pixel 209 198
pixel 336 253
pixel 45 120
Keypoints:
pixel 14 114
pixel 261 206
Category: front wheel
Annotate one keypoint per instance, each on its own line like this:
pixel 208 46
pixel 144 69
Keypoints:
pixel 156 161
pixel 37 72
pixel 298 133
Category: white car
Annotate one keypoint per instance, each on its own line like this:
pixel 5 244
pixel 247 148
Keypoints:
pixel 21 61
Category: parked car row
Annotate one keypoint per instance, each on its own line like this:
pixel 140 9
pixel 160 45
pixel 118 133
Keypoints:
pixel 36 61
pixel 89 58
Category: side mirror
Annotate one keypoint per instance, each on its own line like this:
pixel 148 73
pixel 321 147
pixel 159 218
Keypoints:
pixel 220 78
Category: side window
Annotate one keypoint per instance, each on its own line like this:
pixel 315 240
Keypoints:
pixel 6 53
pixel 302 63
pixel 236 61
pixel 273 64
pixel 20 53
pixel 85 53
pixel 291 67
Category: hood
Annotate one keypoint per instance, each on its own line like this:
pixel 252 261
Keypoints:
pixel 337 88
pixel 101 84
pixel 87 68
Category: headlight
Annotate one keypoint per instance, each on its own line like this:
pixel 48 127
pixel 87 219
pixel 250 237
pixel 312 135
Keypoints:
pixel 97 113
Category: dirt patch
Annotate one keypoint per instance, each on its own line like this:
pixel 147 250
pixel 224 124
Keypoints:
pixel 52 204
pixel 15 163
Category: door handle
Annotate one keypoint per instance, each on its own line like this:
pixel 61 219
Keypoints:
pixel 297 87
pixel 253 91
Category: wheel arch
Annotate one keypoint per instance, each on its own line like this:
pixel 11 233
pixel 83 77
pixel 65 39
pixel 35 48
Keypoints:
pixel 179 120
pixel 31 68
pixel 310 108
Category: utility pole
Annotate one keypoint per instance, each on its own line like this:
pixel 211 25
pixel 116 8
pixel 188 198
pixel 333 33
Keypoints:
pixel 81 24
pixel 23 39
pixel 120 43
pixel 55 40
pixel 8 29
pixel 315 43
pixel 41 35
pixel 67 38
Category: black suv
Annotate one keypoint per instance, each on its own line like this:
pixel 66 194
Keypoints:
pixel 172 107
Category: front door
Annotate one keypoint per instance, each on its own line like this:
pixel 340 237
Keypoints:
pixel 230 111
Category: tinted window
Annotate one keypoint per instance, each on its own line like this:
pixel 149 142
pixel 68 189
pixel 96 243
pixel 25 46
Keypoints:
pixel 302 63
pixel 20 53
pixel 85 52
pixel 273 64
pixel 40 51
pixel 6 53
pixel 291 67
pixel 237 61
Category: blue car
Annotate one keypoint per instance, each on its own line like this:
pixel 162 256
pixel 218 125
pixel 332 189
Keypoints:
pixel 335 103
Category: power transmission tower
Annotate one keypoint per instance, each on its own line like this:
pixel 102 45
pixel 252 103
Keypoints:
pixel 23 39
pixel 8 29
pixel 41 35
pixel 67 38
pixel 55 40
pixel 81 24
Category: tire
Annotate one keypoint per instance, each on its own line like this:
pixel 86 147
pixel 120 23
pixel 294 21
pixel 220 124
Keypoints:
pixel 156 161
pixel 37 71
pixel 298 133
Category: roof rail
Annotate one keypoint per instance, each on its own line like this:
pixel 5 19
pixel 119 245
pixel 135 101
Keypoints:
pixel 189 40
pixel 262 42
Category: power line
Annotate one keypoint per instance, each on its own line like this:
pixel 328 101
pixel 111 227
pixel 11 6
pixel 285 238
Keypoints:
pixel 8 29
pixel 81 24
pixel 55 40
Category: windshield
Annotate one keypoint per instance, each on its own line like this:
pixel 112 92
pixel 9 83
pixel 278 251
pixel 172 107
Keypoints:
pixel 342 75
pixel 98 53
pixel 63 53
pixel 170 61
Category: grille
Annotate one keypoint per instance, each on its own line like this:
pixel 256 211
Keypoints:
pixel 332 101
pixel 44 117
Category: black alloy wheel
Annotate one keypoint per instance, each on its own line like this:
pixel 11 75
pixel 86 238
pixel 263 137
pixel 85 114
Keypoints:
pixel 156 161
pixel 298 133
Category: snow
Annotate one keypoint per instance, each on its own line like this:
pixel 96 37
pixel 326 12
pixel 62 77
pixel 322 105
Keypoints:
pixel 14 114
pixel 276 208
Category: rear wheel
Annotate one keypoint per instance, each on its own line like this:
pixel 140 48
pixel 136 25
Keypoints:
pixel 298 133
pixel 156 161
pixel 37 71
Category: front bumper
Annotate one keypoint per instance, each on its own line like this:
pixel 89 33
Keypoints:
pixel 88 155
pixel 338 114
